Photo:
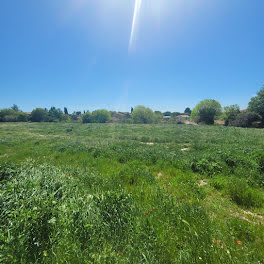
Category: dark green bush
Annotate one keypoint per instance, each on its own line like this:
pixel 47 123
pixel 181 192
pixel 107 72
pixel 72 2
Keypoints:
pixel 245 119
pixel 206 166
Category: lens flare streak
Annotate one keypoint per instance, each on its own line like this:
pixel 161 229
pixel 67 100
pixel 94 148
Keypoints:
pixel 135 19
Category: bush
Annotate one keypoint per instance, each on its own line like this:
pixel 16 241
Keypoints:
pixel 39 115
pixel 230 113
pixel 87 118
pixel 55 115
pixel 246 119
pixel 206 112
pixel 206 166
pixel 143 115
pixel 100 116
pixel 10 115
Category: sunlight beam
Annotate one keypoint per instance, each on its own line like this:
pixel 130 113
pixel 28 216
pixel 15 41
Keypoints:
pixel 135 19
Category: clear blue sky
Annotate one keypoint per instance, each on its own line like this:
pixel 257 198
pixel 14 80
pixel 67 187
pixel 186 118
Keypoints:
pixel 76 53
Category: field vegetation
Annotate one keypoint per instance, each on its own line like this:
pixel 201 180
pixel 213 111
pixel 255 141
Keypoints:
pixel 131 193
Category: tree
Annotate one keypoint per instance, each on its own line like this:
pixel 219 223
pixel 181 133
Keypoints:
pixel 256 104
pixel 174 114
pixel 55 114
pixel 15 108
pixel 168 113
pixel 142 115
pixel 66 111
pixel 74 116
pixel 188 111
pixel 39 115
pixel 87 117
pixel 230 113
pixel 100 116
pixel 206 111
pixel 158 117
pixel 22 117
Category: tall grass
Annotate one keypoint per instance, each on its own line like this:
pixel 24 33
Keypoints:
pixel 72 193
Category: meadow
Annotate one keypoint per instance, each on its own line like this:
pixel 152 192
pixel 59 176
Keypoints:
pixel 123 193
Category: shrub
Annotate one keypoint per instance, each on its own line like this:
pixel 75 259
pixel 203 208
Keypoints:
pixel 39 115
pixel 100 116
pixel 143 115
pixel 245 119
pixel 230 113
pixel 55 114
pixel 206 112
pixel 87 117
pixel 206 166
pixel 10 115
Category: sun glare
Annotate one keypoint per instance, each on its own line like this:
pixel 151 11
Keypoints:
pixel 137 9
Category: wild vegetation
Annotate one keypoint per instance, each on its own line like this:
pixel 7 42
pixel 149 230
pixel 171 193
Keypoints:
pixel 130 193
pixel 205 112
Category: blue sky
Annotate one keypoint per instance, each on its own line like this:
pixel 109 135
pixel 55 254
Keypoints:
pixel 76 53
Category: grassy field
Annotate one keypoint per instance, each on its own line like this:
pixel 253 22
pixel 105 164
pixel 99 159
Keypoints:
pixel 117 193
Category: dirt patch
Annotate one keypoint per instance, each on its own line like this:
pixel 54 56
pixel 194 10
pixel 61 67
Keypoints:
pixel 159 175
pixel 260 217
pixel 203 182
pixel 185 149
pixel 187 122
pixel 219 122
pixel 245 214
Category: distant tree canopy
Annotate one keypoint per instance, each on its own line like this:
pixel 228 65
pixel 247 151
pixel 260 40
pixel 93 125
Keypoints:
pixel 11 115
pixel 188 111
pixel 100 116
pixel 230 113
pixel 256 104
pixel 44 115
pixel 55 114
pixel 158 117
pixel 143 115
pixel 15 107
pixel 97 116
pixel 38 115
pixel 174 114
pixel 87 117
pixel 167 113
pixel 206 111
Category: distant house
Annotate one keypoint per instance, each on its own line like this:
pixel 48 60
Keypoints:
pixel 166 118
pixel 117 117
pixel 182 117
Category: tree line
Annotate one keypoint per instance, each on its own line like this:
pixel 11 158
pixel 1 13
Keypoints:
pixel 205 112
pixel 139 114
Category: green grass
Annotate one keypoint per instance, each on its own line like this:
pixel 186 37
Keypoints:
pixel 119 193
